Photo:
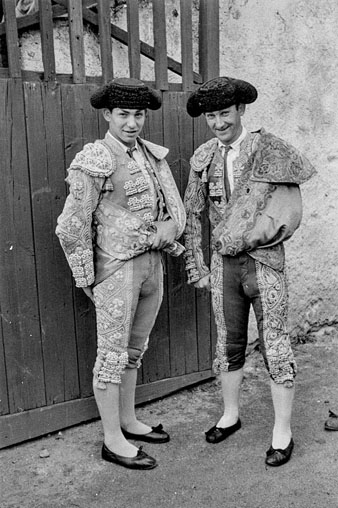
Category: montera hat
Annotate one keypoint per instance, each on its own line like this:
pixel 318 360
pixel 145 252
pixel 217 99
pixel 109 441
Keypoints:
pixel 220 93
pixel 126 93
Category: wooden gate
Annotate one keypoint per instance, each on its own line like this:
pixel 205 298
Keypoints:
pixel 47 334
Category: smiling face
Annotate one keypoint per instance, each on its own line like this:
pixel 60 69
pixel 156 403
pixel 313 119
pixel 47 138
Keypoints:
pixel 226 123
pixel 125 124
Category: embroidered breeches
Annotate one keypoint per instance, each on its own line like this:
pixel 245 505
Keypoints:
pixel 127 304
pixel 237 282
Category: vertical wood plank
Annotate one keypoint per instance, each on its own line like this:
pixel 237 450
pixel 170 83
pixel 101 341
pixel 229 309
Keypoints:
pixel 178 137
pixel 46 162
pixel 12 40
pixel 47 41
pixel 4 406
pixel 186 44
pixel 3 51
pixel 76 41
pixel 209 39
pixel 160 45
pixel 18 289
pixel 156 361
pixel 103 8
pixel 80 123
pixel 133 29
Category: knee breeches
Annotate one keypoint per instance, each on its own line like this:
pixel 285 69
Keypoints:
pixel 126 304
pixel 238 282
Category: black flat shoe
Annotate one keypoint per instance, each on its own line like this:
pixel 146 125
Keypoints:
pixel 157 435
pixel 279 457
pixel 332 422
pixel 218 434
pixel 141 461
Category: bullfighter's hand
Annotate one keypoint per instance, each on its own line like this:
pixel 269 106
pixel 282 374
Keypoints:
pixel 165 234
pixel 204 282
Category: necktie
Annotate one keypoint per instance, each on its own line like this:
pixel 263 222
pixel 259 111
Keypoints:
pixel 130 151
pixel 226 149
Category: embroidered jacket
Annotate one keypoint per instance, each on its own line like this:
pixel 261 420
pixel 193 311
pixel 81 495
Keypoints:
pixel 264 209
pixel 109 213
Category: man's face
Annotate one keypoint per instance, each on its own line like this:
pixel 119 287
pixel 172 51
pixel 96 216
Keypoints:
pixel 226 124
pixel 125 124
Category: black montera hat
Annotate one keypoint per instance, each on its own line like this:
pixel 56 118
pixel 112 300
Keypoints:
pixel 126 93
pixel 220 93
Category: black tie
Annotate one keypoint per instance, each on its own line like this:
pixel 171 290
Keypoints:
pixel 226 149
pixel 130 151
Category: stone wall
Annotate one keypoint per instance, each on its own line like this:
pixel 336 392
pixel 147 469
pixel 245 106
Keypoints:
pixel 289 51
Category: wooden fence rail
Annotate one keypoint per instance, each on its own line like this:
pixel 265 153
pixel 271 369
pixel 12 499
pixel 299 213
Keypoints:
pixel 97 14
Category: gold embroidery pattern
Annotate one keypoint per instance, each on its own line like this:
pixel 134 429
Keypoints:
pixel 220 363
pixel 147 217
pixel 215 189
pixel 81 264
pixel 277 161
pixel 274 296
pixel 133 167
pixel 94 160
pixel 113 301
pixel 135 187
pixel 78 189
pixel 203 155
pixel 135 204
pixel 195 202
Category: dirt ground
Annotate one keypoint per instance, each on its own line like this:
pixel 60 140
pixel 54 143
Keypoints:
pixel 191 472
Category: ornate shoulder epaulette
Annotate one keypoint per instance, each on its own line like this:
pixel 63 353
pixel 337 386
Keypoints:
pixel 203 155
pixel 95 159
pixel 276 161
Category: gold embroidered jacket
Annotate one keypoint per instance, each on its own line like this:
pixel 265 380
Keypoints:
pixel 109 213
pixel 264 209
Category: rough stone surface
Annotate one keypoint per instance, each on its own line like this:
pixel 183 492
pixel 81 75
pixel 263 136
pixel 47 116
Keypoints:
pixel 289 50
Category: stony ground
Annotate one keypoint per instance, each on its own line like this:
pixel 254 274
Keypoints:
pixel 64 470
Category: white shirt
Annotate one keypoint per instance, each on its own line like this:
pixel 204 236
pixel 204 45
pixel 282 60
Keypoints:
pixel 136 153
pixel 232 155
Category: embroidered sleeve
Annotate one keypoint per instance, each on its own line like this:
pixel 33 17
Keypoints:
pixel 74 225
pixel 195 202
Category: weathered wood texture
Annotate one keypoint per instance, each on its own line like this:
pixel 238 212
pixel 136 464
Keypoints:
pixel 160 45
pixel 18 286
pixel 186 43
pixel 209 39
pixel 133 27
pixel 47 39
pixel 12 39
pixel 76 41
pixel 103 9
